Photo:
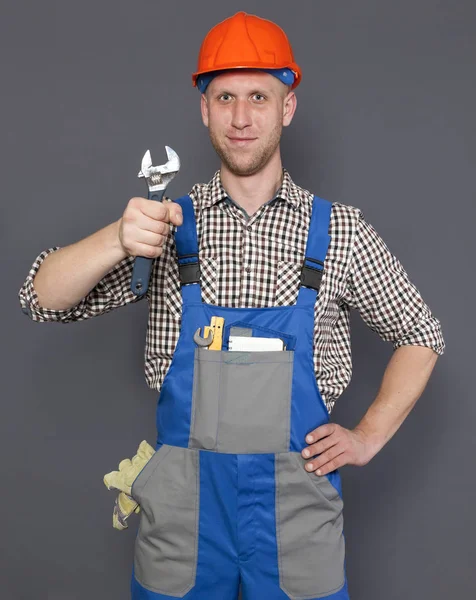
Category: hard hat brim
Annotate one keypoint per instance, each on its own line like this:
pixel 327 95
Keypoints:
pixel 252 65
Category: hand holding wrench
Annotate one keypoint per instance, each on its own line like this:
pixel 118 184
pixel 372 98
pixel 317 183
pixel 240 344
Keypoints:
pixel 157 179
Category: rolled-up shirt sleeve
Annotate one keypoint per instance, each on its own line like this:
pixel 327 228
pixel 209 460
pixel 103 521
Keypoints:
pixel 111 292
pixel 388 302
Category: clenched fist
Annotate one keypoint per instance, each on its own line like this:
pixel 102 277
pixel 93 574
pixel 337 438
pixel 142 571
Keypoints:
pixel 144 226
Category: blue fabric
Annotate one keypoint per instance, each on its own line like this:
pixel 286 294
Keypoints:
pixel 285 75
pixel 237 522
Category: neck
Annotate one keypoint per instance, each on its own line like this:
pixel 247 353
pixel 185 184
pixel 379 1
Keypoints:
pixel 252 191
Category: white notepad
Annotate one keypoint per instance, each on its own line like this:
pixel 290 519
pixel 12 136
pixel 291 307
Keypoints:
pixel 248 344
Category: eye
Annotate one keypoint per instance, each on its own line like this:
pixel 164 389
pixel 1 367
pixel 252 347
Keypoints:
pixel 258 97
pixel 224 97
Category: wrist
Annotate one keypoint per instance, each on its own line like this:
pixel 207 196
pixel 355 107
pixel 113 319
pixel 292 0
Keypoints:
pixel 116 240
pixel 372 440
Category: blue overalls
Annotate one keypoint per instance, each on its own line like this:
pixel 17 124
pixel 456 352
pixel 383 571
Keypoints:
pixel 226 499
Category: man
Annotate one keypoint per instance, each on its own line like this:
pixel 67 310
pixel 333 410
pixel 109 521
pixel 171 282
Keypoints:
pixel 244 485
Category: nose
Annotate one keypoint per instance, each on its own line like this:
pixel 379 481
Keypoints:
pixel 241 115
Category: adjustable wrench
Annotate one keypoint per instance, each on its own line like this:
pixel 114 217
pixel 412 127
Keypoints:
pixel 157 178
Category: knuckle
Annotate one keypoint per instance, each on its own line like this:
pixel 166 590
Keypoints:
pixel 164 228
pixel 135 202
pixel 315 449
pixel 161 212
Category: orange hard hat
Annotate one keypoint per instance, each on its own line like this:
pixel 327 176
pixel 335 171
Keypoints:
pixel 247 42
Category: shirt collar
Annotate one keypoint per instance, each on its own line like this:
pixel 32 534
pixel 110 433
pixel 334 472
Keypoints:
pixel 214 191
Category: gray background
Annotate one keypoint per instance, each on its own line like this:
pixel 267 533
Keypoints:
pixel 385 122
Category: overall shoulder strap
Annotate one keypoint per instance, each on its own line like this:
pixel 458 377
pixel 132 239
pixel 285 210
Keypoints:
pixel 318 241
pixel 187 243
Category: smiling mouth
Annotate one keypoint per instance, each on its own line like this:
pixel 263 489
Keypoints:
pixel 238 140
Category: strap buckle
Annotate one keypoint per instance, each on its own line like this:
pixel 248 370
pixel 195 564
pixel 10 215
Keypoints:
pixel 189 269
pixel 311 276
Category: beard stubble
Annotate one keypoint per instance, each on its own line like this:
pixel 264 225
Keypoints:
pixel 258 158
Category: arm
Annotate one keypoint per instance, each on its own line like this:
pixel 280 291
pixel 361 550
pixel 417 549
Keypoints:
pixel 70 273
pixel 86 279
pixel 404 380
pixel 92 276
pixel 389 303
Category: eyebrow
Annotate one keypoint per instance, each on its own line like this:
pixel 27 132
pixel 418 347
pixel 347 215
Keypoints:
pixel 254 91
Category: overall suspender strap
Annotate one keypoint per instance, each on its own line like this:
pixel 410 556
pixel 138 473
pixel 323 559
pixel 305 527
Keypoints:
pixel 186 243
pixel 318 240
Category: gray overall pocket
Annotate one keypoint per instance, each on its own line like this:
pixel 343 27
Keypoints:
pixel 166 546
pixel 309 530
pixel 241 401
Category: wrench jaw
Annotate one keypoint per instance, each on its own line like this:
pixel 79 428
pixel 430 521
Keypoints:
pixel 159 177
pixel 145 165
pixel 202 342
pixel 173 163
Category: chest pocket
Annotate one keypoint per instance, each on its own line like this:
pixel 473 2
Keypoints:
pixel 241 401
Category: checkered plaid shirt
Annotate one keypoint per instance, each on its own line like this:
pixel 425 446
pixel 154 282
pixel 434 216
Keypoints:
pixel 255 261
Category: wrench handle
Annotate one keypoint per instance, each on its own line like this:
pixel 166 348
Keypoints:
pixel 143 265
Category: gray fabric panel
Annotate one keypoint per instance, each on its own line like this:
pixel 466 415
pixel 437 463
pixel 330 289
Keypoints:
pixel 242 331
pixel 166 546
pixel 241 401
pixel 148 469
pixel 206 383
pixel 255 402
pixel 309 530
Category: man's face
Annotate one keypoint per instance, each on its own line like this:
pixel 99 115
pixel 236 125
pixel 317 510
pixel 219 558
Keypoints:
pixel 245 111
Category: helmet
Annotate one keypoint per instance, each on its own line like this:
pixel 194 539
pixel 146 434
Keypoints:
pixel 247 42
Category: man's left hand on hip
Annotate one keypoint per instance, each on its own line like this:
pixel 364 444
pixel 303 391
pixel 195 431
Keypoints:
pixel 336 446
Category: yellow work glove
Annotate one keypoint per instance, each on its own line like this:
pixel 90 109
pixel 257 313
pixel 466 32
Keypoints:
pixel 122 480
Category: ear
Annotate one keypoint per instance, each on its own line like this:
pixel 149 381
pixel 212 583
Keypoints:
pixel 289 108
pixel 204 109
